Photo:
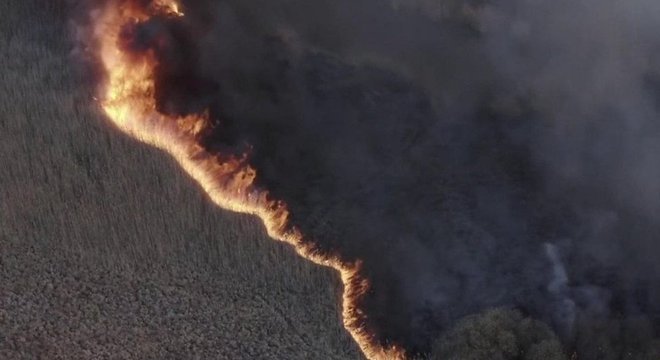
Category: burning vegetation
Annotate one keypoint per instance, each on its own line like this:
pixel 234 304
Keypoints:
pixel 434 156
pixel 130 101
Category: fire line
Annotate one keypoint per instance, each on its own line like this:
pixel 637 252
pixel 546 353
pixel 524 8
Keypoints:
pixel 129 102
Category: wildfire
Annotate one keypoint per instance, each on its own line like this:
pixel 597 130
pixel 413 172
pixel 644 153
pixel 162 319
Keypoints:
pixel 128 100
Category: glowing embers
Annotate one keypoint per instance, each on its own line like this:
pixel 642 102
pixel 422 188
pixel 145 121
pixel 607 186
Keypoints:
pixel 129 100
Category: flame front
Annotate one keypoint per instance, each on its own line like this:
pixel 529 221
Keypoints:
pixel 129 102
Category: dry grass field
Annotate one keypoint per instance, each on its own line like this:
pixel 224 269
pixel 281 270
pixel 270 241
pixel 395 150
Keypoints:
pixel 107 251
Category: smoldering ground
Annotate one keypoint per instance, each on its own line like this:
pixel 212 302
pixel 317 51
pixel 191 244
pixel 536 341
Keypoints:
pixel 471 154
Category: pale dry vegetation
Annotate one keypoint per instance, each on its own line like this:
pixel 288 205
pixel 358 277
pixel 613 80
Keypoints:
pixel 108 251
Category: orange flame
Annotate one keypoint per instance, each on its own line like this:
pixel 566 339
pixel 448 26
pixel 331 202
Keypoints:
pixel 128 100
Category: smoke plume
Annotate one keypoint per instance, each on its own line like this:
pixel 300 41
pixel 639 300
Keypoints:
pixel 469 154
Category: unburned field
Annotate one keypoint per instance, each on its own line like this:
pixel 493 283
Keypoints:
pixel 107 250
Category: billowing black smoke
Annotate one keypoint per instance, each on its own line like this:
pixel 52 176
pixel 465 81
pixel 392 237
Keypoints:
pixel 472 154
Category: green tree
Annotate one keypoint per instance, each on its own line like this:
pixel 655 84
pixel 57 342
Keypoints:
pixel 498 334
